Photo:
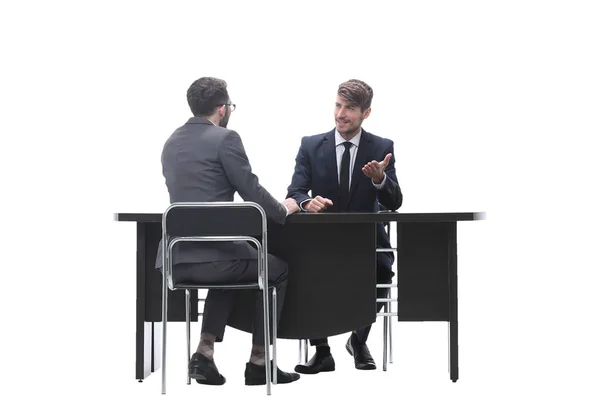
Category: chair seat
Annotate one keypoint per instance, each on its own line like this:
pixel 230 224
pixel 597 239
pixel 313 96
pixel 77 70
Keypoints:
pixel 195 285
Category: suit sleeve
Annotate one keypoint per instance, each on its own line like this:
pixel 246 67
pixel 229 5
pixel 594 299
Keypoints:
pixel 390 196
pixel 301 179
pixel 237 167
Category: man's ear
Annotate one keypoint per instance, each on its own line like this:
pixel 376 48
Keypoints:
pixel 367 112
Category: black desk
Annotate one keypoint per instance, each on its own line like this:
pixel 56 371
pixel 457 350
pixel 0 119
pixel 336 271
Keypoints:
pixel 426 276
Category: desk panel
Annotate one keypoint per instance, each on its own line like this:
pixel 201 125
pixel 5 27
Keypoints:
pixel 325 253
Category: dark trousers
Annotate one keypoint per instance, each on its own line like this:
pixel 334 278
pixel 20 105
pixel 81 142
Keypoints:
pixel 220 303
pixel 384 276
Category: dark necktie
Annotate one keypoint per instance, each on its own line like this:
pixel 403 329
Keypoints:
pixel 345 177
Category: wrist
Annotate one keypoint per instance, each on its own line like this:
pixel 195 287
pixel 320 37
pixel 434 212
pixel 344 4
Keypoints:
pixel 304 204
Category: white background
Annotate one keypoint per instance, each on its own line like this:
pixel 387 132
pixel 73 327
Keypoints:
pixel 493 106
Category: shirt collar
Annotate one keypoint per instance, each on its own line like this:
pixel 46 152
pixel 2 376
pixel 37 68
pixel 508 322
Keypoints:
pixel 355 140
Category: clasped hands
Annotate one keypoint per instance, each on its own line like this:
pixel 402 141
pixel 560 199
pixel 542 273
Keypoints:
pixel 373 169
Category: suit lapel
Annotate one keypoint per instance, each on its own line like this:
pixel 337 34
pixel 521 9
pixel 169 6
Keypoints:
pixel 330 161
pixel 362 157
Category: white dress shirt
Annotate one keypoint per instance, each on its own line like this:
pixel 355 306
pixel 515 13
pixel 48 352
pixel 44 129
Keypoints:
pixel 339 152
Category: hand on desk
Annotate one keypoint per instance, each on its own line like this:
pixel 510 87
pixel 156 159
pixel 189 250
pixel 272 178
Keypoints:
pixel 317 204
pixel 291 205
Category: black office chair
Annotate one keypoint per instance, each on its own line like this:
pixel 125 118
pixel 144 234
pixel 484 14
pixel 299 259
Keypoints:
pixel 217 222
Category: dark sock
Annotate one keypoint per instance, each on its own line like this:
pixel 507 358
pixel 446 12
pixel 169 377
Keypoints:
pixel 323 349
pixel 257 355
pixel 206 347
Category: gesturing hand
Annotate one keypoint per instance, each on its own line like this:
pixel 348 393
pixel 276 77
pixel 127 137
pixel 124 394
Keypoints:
pixel 375 169
pixel 317 204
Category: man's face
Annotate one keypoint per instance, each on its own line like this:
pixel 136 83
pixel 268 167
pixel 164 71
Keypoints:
pixel 348 117
pixel 225 119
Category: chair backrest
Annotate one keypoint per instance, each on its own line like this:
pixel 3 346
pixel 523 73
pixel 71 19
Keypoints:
pixel 226 220
pixel 215 219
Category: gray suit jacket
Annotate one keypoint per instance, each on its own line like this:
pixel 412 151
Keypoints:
pixel 203 162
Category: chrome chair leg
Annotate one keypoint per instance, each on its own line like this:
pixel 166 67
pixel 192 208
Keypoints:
pixel 390 337
pixel 265 290
pixel 187 330
pixel 305 350
pixel 386 309
pixel 302 343
pixel 164 331
pixel 274 336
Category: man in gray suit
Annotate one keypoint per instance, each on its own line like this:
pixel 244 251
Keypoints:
pixel 204 161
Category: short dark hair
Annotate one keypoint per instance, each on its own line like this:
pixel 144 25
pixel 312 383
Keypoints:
pixel 205 94
pixel 356 92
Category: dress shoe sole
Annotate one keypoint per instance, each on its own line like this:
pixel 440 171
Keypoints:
pixel 258 381
pixel 310 371
pixel 255 382
pixel 366 367
pixel 201 379
pixel 361 367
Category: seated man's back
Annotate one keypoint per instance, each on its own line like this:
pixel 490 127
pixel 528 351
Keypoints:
pixel 203 161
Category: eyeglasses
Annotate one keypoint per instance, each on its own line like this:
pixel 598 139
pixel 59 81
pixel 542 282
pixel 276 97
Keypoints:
pixel 231 105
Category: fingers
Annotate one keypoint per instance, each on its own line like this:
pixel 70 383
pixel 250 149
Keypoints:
pixel 386 160
pixel 325 201
pixel 291 205
pixel 371 169
pixel 374 169
pixel 294 208
pixel 318 204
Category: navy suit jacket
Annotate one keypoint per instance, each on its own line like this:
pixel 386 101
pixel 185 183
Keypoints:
pixel 316 172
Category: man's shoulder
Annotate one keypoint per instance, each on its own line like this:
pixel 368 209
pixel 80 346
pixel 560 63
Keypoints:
pixel 313 140
pixel 378 139
pixel 200 133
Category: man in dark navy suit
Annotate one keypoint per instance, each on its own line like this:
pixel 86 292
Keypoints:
pixel 348 170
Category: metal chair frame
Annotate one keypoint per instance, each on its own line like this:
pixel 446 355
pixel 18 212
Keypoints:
pixel 262 281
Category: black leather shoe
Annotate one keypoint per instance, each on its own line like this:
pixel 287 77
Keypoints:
pixel 361 354
pixel 256 374
pixel 204 370
pixel 320 362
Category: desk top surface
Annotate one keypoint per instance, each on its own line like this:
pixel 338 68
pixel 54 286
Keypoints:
pixel 384 216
